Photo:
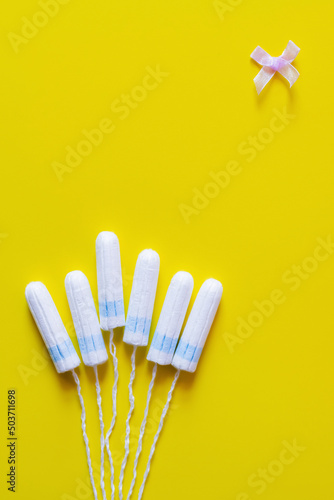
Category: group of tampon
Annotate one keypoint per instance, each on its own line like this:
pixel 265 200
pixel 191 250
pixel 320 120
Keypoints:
pixel 165 348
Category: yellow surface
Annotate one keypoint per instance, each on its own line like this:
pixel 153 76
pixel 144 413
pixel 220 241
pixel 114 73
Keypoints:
pixel 257 388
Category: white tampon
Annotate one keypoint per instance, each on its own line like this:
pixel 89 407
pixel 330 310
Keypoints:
pixel 109 280
pixel 59 346
pixel 144 286
pixel 51 327
pixel 137 328
pixel 198 326
pixel 85 319
pixel 90 340
pixel 164 341
pixel 171 319
pixel 190 348
pixel 111 307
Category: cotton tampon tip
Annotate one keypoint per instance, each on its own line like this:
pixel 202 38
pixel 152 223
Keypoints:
pixel 198 326
pixel 51 327
pixel 85 319
pixel 171 319
pixel 138 320
pixel 109 281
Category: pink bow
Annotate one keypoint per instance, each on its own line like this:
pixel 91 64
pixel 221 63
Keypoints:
pixel 282 64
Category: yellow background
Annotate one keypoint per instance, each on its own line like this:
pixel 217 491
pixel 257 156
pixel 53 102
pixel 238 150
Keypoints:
pixel 232 416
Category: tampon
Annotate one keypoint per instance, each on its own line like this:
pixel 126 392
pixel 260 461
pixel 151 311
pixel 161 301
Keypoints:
pixel 138 320
pixel 51 327
pixel 198 326
pixel 137 328
pixel 171 319
pixel 90 340
pixel 59 346
pixel 111 308
pixel 109 280
pixel 190 348
pixel 85 319
pixel 164 342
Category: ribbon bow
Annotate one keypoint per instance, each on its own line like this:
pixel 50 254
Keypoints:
pixel 282 64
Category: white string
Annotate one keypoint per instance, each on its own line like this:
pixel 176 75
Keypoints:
pixel 164 412
pixel 112 349
pixel 84 433
pixel 99 404
pixel 142 431
pixel 127 432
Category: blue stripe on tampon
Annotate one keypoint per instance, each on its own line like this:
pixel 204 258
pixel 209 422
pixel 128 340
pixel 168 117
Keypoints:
pixel 111 309
pixel 91 344
pixel 188 352
pixel 163 343
pixel 138 325
pixel 61 351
